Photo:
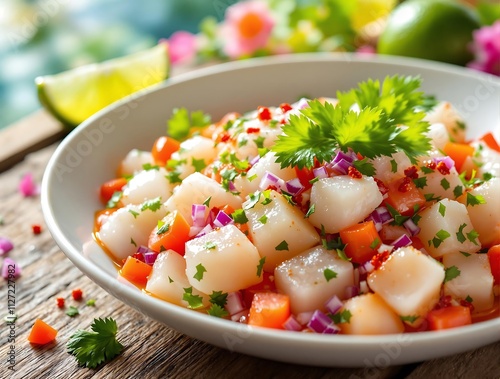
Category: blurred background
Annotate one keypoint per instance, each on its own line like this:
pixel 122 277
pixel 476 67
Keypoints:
pixel 40 37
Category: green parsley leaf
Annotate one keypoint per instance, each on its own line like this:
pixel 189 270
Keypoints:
pixel 283 245
pixel 457 191
pixel 394 165
pixel 263 219
pixel 472 236
pixel 133 213
pixel 253 199
pixel 174 177
pixel 420 182
pixel 267 197
pixel 442 209
pixel 207 201
pixel 170 280
pixel 460 234
pixel 115 199
pixel 341 317
pixel 364 167
pixel 451 273
pixel 210 245
pixel 90 303
pixel 200 270
pixel 475 200
pixel 465 254
pixel 239 216
pixel 219 298
pixel 329 274
pixel 92 348
pixel 469 299
pixel 194 301
pixel 310 211
pixel 445 183
pixel 180 123
pixel 441 235
pixel 375 243
pixel 260 266
pixel 72 311
pixel 217 311
pixel 198 164
pixel 153 205
pixel 149 166
pixel 132 242
pixel 410 319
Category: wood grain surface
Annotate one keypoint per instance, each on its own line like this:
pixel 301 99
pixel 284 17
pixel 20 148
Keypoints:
pixel 152 350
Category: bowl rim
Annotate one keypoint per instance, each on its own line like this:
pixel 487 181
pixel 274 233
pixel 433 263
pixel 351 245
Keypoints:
pixel 98 275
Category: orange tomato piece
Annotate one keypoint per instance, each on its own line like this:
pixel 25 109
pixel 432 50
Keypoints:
pixel 404 196
pixel 163 148
pixel 459 152
pixel 490 141
pixel 171 233
pixel 269 310
pixel 42 333
pixel 136 271
pixel 110 187
pixel 449 317
pixel 362 241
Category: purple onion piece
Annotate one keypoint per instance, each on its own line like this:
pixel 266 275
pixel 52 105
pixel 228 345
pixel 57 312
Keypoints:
pixel 351 291
pixel 198 214
pixel 304 317
pixel 294 187
pixel 320 172
pixel 448 161
pixel 383 215
pixel 334 304
pixel 271 180
pixel 291 323
pixel 412 228
pixel 319 322
pixel 6 245
pixel 342 156
pixel 222 219
pixel 234 303
pixel 402 241
pixel 342 166
pixel 331 329
pixel 144 250
pixel 366 268
pixel 150 257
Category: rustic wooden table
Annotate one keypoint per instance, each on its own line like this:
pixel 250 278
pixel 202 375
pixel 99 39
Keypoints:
pixel 152 350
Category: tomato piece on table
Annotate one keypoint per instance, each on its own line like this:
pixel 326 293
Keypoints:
pixel 269 310
pixel 362 241
pixel 494 258
pixel 172 232
pixel 449 317
pixel 136 271
pixel 42 333
pixel 110 187
pixel 404 196
pixel 163 148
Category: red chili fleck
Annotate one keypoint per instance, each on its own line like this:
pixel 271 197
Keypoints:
pixel 138 256
pixel 354 173
pixel 60 302
pixel 253 130
pixel 283 121
pixel 444 301
pixel 224 137
pixel 381 186
pixel 263 113
pixel 411 172
pixel 285 107
pixel 431 165
pixel 379 258
pixel 465 303
pixel 442 168
pixel 77 294
pixel 37 229
pixel 405 185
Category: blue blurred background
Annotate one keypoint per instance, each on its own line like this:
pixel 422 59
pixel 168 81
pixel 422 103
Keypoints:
pixel 40 37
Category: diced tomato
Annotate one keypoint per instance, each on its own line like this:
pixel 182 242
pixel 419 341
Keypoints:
pixel 404 196
pixel 417 243
pixel 458 152
pixel 173 233
pixel 163 148
pixel 490 141
pixel 494 258
pixel 305 175
pixel 269 310
pixel 267 285
pixel 362 241
pixel 41 333
pixel 136 271
pixel 449 317
pixel 110 187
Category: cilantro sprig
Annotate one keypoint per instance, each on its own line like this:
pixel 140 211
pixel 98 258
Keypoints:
pixel 91 348
pixel 389 119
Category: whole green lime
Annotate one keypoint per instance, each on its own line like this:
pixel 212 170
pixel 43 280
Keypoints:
pixel 439 30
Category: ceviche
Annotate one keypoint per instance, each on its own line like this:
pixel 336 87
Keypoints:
pixel 364 213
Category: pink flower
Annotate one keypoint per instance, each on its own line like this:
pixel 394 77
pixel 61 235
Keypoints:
pixel 27 186
pixel 182 47
pixel 366 50
pixel 486 48
pixel 247 27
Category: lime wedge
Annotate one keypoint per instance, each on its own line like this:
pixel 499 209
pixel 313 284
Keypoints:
pixel 74 95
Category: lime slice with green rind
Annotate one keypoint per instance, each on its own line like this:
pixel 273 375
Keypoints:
pixel 72 96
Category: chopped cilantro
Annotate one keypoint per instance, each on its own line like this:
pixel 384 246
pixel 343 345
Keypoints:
pixel 469 299
pixel 310 211
pixel 149 166
pixel 217 311
pixel 133 213
pixel 420 182
pixel 411 318
pixel 430 197
pixel 329 274
pixel 132 242
pixel 260 266
pixel 170 280
pixel 163 227
pixel 283 245
pixel 180 123
pixel 198 164
pixel 472 236
pixel 442 209
pixel 267 197
pixel 341 317
pixel 263 219
pixel 207 201
pixel 457 191
pixel 426 170
pixel 153 205
pixel 200 270
pixel 445 184
pixel 173 177
pixel 451 273
pixel 72 311
pixel 239 216
pixel 210 245
pixel 475 200
pixel 115 199
pixel 364 167
pixel 219 298
pixel 374 243
pixel 253 199
pixel 460 234
pixel 394 165
pixel 194 301
pixel 465 254
pixel 441 235
pixel 90 303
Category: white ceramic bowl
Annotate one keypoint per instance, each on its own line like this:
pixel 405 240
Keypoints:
pixel 91 153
